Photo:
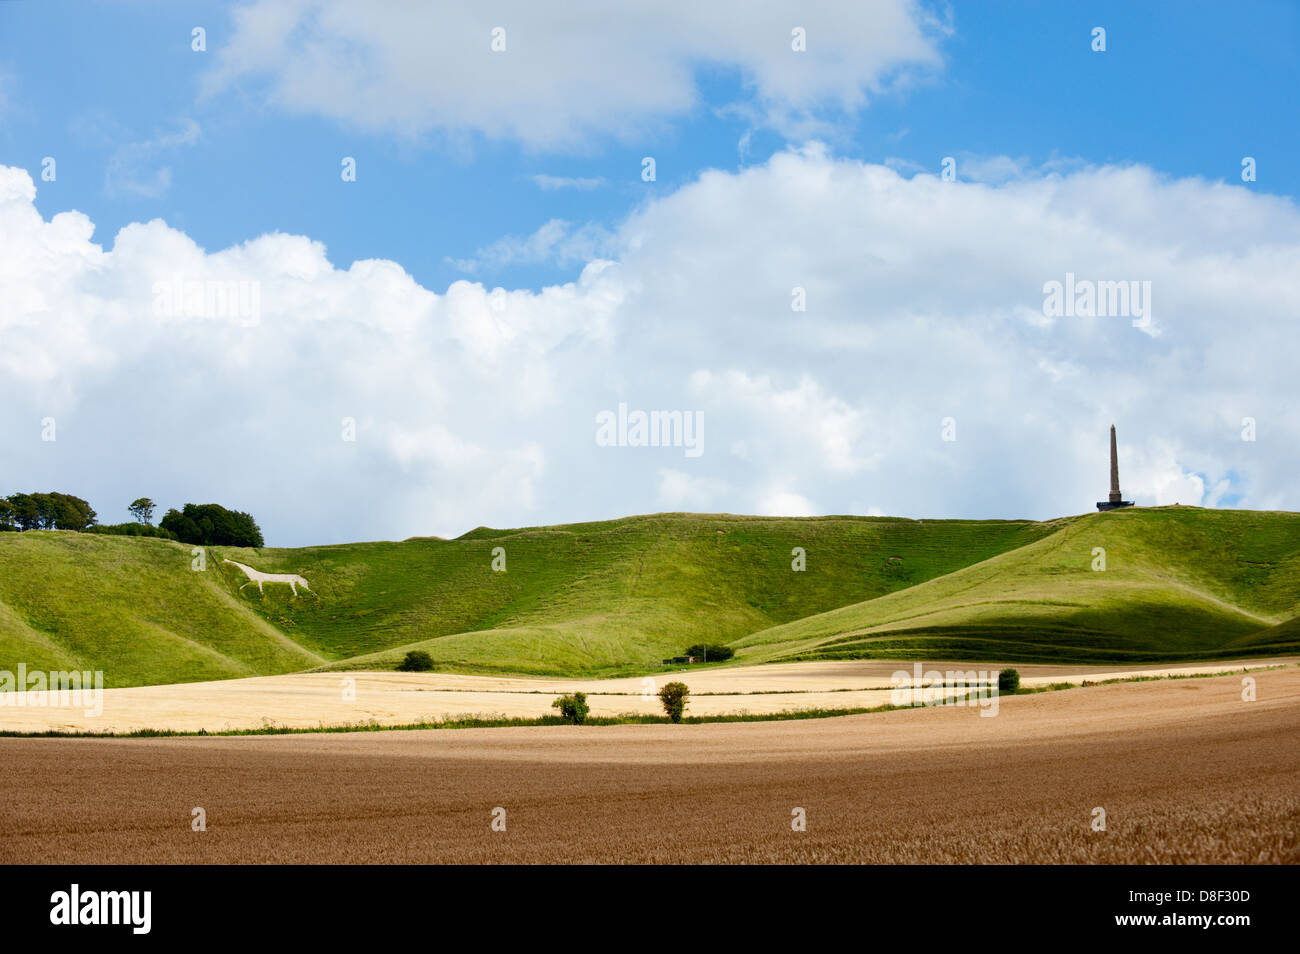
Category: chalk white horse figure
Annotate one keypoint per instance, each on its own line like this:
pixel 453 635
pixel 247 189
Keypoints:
pixel 258 577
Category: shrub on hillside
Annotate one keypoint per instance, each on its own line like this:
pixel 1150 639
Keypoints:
pixel 573 708
pixel 132 530
pixel 417 660
pixel 673 696
pixel 710 652
pixel 1008 680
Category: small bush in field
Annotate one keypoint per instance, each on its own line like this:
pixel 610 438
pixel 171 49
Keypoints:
pixel 673 696
pixel 417 660
pixel 1008 680
pixel 573 708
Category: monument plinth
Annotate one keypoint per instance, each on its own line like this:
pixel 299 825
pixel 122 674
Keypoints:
pixel 1116 499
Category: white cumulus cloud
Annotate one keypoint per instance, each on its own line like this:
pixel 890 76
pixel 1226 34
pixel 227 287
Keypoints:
pixel 558 74
pixel 923 378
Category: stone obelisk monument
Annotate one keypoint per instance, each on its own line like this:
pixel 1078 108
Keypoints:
pixel 1116 499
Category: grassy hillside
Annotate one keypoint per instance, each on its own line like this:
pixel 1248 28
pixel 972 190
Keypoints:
pixel 1178 583
pixel 131 607
pixel 618 596
pixel 613 596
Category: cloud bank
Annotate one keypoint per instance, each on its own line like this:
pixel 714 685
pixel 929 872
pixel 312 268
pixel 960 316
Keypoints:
pixel 922 320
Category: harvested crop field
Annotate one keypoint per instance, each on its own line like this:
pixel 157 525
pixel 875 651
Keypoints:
pixel 1185 770
pixel 314 699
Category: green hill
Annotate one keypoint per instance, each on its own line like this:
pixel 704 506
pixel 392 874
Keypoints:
pixel 131 607
pixel 618 596
pixel 604 597
pixel 1178 583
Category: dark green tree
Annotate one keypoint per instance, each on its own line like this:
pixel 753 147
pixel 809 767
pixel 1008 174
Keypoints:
pixel 52 511
pixel 212 525
pixel 70 512
pixel 27 512
pixel 45 511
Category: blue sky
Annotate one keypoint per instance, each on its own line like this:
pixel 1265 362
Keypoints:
pixel 1186 88
pixel 244 140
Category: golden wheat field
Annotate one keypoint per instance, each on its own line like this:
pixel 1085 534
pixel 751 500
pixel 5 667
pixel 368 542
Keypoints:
pixel 1185 770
